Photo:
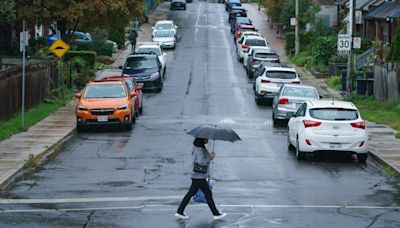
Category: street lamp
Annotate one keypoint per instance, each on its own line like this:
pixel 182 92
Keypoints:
pixel 296 39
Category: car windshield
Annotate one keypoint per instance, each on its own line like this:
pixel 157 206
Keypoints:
pixel 243 20
pixel 140 63
pixel 162 26
pixel 256 42
pixel 334 114
pixel 105 91
pixel 143 50
pixel 164 33
pixel 299 92
pixel 281 74
pixel 266 55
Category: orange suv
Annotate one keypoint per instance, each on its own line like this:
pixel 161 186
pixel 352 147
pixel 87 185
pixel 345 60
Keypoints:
pixel 105 102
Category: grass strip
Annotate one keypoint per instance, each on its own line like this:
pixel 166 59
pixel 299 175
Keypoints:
pixel 379 112
pixel 32 116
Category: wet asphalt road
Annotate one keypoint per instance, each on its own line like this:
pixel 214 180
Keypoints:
pixel 112 178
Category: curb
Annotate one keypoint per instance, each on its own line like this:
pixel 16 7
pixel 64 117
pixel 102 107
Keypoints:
pixel 383 162
pixel 43 157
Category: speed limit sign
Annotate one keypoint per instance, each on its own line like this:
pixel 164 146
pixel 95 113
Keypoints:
pixel 344 42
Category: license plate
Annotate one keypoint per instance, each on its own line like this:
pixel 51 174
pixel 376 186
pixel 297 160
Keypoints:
pixel 335 146
pixel 102 118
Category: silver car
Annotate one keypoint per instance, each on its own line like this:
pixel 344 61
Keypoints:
pixel 289 99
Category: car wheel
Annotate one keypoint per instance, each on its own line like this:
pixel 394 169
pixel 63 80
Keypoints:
pixel 141 109
pixel 275 122
pixel 289 144
pixel 299 154
pixel 80 128
pixel 258 100
pixel 362 158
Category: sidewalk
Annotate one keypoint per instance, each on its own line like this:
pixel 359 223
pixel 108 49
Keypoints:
pixel 384 147
pixel 45 138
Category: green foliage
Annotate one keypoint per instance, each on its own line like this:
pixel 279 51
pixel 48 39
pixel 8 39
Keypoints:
pixel 105 49
pixel 334 81
pixel 305 39
pixel 320 67
pixel 323 48
pixel 303 59
pixel 394 52
pixel 101 49
pixel 118 35
pixel 307 10
pixel 88 56
pixel 7 12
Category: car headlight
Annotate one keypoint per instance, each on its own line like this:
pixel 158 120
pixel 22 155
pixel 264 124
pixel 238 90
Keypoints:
pixel 123 107
pixel 155 75
pixel 82 108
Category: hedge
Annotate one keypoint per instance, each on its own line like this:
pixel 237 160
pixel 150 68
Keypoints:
pixel 88 56
pixel 103 49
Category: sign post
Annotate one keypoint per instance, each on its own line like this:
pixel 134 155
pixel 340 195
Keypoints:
pixel 24 40
pixel 59 48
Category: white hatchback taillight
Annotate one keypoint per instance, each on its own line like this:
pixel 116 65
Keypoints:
pixel 360 125
pixel 311 123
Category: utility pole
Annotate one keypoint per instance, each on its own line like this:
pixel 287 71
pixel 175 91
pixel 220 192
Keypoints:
pixel 297 28
pixel 350 57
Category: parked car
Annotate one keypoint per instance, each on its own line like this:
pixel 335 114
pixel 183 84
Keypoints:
pixel 230 3
pixel 259 56
pixel 236 11
pixel 178 4
pixel 133 86
pixel 270 80
pixel 165 25
pixel 249 29
pixel 328 125
pixel 289 99
pixel 165 38
pixel 105 102
pixel 237 21
pixel 149 48
pixel 251 53
pixel 247 42
pixel 146 69
pixel 189 1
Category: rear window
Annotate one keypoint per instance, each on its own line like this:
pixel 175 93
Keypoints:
pixel 334 114
pixel 139 63
pixel 299 92
pixel 105 91
pixel 256 42
pixel 243 20
pixel 266 55
pixel 143 50
pixel 281 74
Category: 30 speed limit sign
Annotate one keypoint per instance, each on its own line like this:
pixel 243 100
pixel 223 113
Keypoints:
pixel 344 42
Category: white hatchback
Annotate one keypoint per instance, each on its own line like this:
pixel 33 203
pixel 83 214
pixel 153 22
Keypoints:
pixel 269 81
pixel 149 47
pixel 247 42
pixel 328 125
pixel 165 25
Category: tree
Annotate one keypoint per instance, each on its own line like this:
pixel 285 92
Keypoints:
pixel 274 8
pixel 307 12
pixel 394 52
pixel 7 12
pixel 87 14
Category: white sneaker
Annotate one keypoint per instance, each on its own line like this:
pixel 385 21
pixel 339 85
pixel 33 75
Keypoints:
pixel 219 217
pixel 181 216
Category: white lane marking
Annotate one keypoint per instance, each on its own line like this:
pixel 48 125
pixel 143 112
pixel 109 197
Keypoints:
pixel 87 200
pixel 198 16
pixel 171 207
pixel 228 120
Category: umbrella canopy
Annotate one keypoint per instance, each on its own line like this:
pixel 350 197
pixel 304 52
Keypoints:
pixel 208 131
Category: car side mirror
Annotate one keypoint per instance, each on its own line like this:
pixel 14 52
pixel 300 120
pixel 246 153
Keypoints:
pixel 120 67
pixel 290 114
pixel 78 95
pixel 133 94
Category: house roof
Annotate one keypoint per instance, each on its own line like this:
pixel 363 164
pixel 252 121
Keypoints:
pixel 384 10
pixel 374 3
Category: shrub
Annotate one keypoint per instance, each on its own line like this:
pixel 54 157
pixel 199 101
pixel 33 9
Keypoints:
pixel 302 59
pixel 104 49
pixel 323 48
pixel 105 59
pixel 334 81
pixel 305 40
pixel 88 56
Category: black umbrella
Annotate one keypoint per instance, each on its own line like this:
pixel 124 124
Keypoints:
pixel 214 132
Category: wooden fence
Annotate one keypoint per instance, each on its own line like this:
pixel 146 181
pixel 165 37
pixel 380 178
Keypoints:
pixel 386 80
pixel 40 81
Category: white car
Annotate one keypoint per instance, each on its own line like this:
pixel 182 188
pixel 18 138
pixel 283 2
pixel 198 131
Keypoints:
pixel 144 48
pixel 246 33
pixel 165 38
pixel 247 42
pixel 328 125
pixel 165 25
pixel 269 81
pixel 251 51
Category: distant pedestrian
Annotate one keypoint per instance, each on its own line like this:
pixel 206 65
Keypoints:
pixel 200 172
pixel 132 39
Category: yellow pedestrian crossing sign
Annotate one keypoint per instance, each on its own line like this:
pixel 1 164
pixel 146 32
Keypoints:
pixel 59 48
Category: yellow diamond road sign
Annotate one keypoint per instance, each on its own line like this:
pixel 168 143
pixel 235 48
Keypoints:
pixel 59 48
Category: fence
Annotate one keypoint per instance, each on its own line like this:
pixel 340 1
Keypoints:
pixel 40 81
pixel 386 81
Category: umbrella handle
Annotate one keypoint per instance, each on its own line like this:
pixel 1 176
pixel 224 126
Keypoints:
pixel 213 145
